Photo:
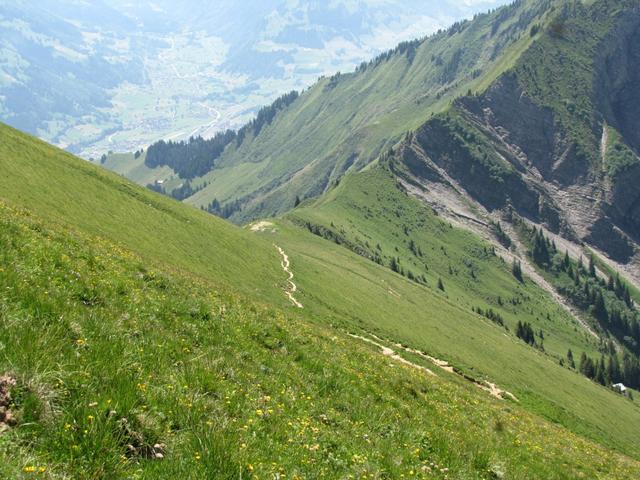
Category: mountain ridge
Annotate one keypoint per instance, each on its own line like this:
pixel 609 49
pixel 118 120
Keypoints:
pixel 435 61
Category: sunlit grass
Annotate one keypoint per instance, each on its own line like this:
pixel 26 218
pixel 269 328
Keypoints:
pixel 116 363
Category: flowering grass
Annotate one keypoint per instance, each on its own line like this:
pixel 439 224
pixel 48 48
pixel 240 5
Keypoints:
pixel 113 359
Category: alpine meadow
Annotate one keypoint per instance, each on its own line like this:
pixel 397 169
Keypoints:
pixel 426 267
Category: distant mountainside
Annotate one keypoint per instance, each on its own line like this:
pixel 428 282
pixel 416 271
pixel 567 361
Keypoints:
pixel 531 106
pixel 346 120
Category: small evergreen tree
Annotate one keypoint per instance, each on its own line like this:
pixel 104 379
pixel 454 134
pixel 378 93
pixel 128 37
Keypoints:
pixel 613 369
pixel 540 251
pixel 524 331
pixel 516 269
pixel 394 264
pixel 570 360
pixel 592 266
pixel 601 372
pixel 586 366
pixel 599 308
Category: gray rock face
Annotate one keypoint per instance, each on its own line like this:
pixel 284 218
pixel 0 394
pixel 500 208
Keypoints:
pixel 618 93
pixel 505 149
pixel 618 80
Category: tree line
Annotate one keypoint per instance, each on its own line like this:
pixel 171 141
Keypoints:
pixel 608 300
pixel 223 211
pixel 197 156
pixel 608 369
pixel 180 193
pixel 189 159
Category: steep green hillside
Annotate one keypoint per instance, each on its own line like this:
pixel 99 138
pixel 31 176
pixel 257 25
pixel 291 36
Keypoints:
pixel 369 214
pixel 63 189
pixel 136 293
pixel 124 365
pixel 110 369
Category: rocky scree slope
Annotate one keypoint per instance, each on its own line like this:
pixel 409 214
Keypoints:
pixel 556 137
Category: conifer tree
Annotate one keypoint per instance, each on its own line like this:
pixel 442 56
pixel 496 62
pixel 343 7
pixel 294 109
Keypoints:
pixel 599 308
pixel 570 360
pixel 601 371
pixel 394 265
pixel 586 366
pixel 613 369
pixel 592 266
pixel 516 269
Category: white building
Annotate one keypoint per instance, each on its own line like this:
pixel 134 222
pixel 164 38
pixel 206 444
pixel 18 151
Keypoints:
pixel 620 387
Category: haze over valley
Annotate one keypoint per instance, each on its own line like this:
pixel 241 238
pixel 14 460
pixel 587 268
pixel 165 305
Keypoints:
pixel 93 77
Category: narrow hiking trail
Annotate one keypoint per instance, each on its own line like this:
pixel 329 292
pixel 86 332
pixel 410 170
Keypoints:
pixel 387 352
pixel 293 288
pixel 488 387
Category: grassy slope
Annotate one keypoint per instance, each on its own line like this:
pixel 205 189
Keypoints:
pixel 94 333
pixel 337 285
pixel 362 113
pixel 64 189
pixel 93 337
pixel 367 296
pixel 367 207
pixel 134 169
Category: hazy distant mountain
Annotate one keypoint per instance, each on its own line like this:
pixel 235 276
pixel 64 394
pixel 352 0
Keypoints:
pixel 115 74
